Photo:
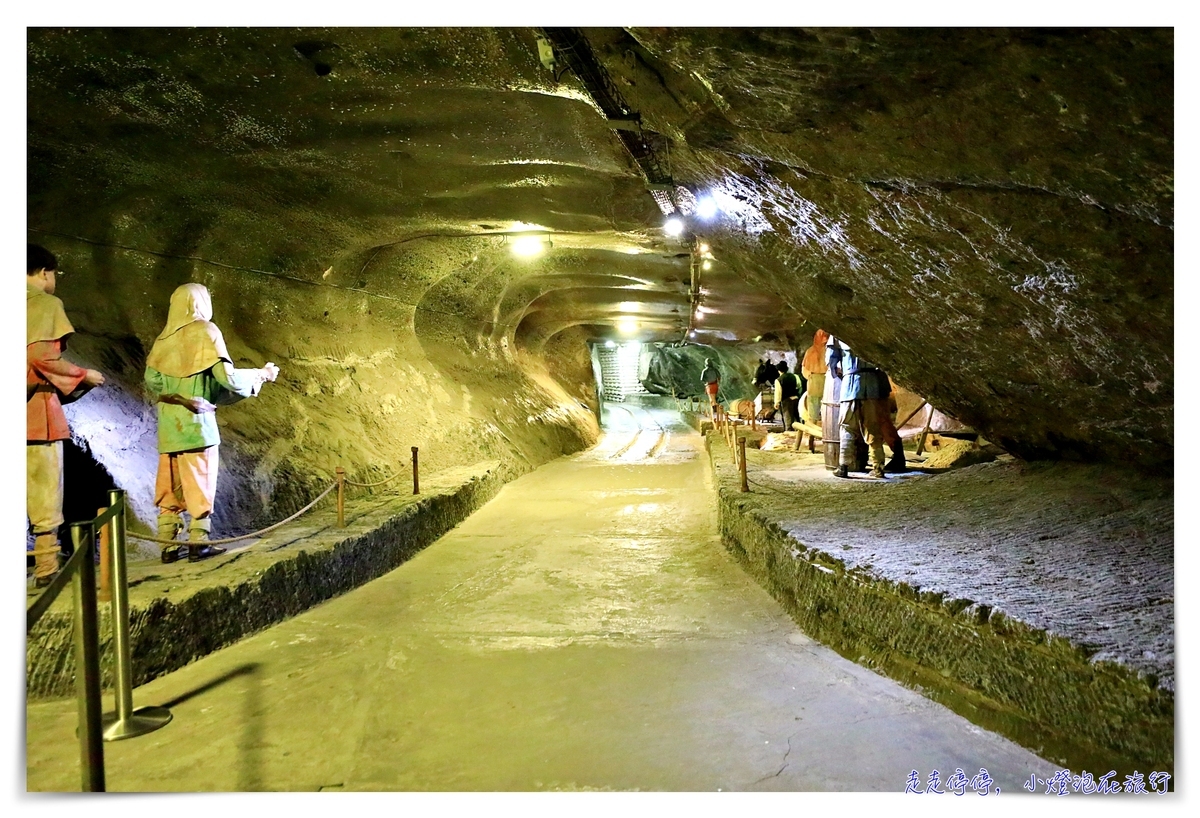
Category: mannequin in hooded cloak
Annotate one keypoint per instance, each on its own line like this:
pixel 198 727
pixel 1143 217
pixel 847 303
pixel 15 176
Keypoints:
pixel 50 380
pixel 188 373
pixel 812 367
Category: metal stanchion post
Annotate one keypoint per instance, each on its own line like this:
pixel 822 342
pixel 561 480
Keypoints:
pixel 87 659
pixel 341 501
pixel 416 478
pixel 742 453
pixel 125 722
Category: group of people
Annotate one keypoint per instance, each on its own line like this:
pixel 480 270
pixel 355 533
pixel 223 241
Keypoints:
pixel 785 385
pixel 833 374
pixel 189 372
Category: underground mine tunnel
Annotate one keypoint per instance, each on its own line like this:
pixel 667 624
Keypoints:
pixel 512 254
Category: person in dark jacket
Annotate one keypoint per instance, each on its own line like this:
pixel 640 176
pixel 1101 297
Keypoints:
pixel 787 395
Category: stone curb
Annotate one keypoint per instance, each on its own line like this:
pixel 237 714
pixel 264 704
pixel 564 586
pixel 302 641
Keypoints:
pixel 1035 688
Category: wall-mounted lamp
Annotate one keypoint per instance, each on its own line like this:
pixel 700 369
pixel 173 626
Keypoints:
pixel 706 207
pixel 528 246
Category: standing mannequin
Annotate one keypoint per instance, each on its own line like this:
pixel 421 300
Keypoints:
pixel 188 372
pixel 812 367
pixel 50 381
pixel 864 409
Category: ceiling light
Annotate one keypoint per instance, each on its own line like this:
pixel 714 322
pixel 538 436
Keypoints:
pixel 707 265
pixel 627 326
pixel 706 208
pixel 703 247
pixel 529 246
pixel 673 226
pixel 609 344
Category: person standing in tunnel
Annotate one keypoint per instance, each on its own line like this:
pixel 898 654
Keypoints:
pixel 188 373
pixel 864 408
pixel 764 375
pixel 711 378
pixel 787 395
pixel 50 381
pixel 812 367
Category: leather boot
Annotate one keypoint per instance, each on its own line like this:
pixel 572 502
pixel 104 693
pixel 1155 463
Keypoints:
pixel 198 539
pixel 842 471
pixel 897 465
pixel 169 526
pixel 45 556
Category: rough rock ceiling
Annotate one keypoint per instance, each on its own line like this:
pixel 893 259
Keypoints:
pixel 988 214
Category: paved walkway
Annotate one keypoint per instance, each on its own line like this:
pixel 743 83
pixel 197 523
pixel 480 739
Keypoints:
pixel 584 630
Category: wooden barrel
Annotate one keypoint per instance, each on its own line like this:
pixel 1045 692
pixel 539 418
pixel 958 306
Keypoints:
pixel 830 419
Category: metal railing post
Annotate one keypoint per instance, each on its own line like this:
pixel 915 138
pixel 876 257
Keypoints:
pixel 87 659
pixel 416 473
pixel 341 501
pixel 742 452
pixel 125 722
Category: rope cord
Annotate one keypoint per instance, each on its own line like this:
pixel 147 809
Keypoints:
pixel 258 533
pixel 372 485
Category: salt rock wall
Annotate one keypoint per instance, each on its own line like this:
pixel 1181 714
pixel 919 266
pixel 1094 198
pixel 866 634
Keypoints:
pixel 988 214
pixel 365 376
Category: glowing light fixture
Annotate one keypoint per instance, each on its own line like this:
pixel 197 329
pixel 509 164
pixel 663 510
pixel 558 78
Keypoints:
pixel 609 344
pixel 707 265
pixel 627 325
pixel 529 246
pixel 703 247
pixel 673 226
pixel 706 207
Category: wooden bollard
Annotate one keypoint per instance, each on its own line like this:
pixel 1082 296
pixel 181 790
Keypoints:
pixel 105 594
pixel 416 474
pixel 742 453
pixel 341 483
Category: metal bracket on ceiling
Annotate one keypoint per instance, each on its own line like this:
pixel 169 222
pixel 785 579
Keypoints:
pixel 649 150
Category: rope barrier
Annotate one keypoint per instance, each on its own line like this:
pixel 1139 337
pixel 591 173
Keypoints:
pixel 258 533
pixel 373 485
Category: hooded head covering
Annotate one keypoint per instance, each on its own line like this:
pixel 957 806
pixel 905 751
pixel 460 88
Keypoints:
pixel 190 342
pixel 814 358
pixel 45 318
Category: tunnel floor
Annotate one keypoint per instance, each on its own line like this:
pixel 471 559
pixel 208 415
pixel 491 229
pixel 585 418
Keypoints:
pixel 585 630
